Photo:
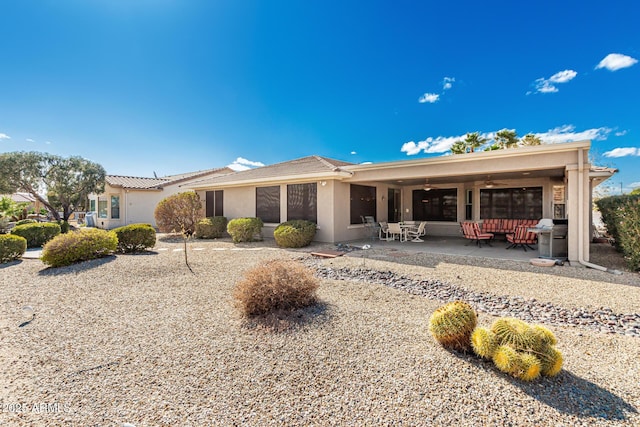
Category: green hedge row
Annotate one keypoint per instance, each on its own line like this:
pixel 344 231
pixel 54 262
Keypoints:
pixel 37 234
pixel 621 216
pixel 11 247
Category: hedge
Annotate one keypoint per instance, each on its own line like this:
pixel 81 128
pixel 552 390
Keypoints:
pixel 211 227
pixel 621 216
pixel 135 237
pixel 37 234
pixel 245 229
pixel 77 246
pixel 11 247
pixel 295 233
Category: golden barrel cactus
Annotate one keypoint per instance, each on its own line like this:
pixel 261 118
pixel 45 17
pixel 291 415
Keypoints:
pixel 451 325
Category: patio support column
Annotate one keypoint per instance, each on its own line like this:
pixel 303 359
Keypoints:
pixel 573 211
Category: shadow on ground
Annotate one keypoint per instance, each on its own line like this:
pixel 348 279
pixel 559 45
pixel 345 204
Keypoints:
pixel 76 268
pixel 570 394
pixel 285 320
pixel 567 393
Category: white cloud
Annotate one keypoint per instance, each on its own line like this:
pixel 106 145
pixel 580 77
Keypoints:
pixel 447 83
pixel 241 164
pixel 353 152
pixel 621 133
pixel 4 136
pixel 563 76
pixel 30 140
pixel 440 144
pixel 634 184
pixel 623 152
pixel 543 85
pixel 566 133
pixel 429 97
pixel 47 142
pixel 616 61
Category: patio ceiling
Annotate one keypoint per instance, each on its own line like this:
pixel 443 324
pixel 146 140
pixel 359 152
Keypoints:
pixel 556 173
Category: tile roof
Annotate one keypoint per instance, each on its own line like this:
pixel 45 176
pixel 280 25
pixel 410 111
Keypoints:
pixel 141 183
pixel 303 166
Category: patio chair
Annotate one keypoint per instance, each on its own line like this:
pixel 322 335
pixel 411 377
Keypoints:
pixel 522 237
pixel 416 233
pixel 384 230
pixel 471 231
pixel 395 230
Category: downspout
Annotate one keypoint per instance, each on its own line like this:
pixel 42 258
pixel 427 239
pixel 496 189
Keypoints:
pixel 581 216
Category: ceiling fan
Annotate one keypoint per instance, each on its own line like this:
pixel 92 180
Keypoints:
pixel 489 183
pixel 428 186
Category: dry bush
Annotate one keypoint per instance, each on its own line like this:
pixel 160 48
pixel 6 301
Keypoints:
pixel 276 285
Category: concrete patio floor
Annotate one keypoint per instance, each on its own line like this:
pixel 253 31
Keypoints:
pixel 449 246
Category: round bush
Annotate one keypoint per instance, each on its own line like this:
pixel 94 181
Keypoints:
pixel 276 285
pixel 11 247
pixel 211 227
pixel 37 234
pixel 245 229
pixel 135 237
pixel 77 246
pixel 295 234
pixel 26 221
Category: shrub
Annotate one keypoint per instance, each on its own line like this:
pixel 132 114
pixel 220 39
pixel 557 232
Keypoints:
pixel 295 233
pixel 37 234
pixel 245 229
pixel 76 246
pixel 621 216
pixel 64 226
pixel 26 221
pixel 135 237
pixel 452 324
pixel 11 247
pixel 276 285
pixel 179 213
pixel 211 227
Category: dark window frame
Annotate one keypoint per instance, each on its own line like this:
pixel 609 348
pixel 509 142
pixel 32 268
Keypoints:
pixel 362 202
pixel 511 203
pixel 214 203
pixel 435 205
pixel 268 204
pixel 302 202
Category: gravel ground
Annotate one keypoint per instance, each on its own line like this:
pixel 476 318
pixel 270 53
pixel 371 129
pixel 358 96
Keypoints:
pixel 141 339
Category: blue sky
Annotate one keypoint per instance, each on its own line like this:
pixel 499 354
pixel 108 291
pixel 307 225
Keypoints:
pixel 171 86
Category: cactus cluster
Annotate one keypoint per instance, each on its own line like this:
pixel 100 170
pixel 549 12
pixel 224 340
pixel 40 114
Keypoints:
pixel 518 349
pixel 452 324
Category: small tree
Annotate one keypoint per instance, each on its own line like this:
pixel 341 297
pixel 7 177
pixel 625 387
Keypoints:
pixel 506 139
pixel 67 181
pixel 471 142
pixel 179 214
pixel 530 139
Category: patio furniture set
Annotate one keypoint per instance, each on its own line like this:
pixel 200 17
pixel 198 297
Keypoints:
pixel 517 232
pixel 403 231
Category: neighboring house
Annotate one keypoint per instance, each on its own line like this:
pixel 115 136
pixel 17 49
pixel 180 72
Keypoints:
pixel 547 181
pixel 33 204
pixel 130 200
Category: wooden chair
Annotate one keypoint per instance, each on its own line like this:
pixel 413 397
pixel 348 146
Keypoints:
pixel 522 237
pixel 471 231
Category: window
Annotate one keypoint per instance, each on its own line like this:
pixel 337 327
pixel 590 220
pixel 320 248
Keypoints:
pixel 268 204
pixel 302 202
pixel 363 202
pixel 214 203
pixel 511 203
pixel 92 205
pixel 115 207
pixel 435 205
pixel 102 208
pixel 468 207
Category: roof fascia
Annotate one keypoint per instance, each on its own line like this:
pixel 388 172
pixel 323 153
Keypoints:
pixel 289 179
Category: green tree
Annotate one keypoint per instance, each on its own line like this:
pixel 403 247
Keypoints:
pixel 66 181
pixel 635 191
pixel 506 139
pixel 10 209
pixel 471 142
pixel 530 139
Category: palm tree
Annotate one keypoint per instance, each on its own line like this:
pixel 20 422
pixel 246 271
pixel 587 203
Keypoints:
pixel 458 147
pixel 472 141
pixel 506 138
pixel 530 139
